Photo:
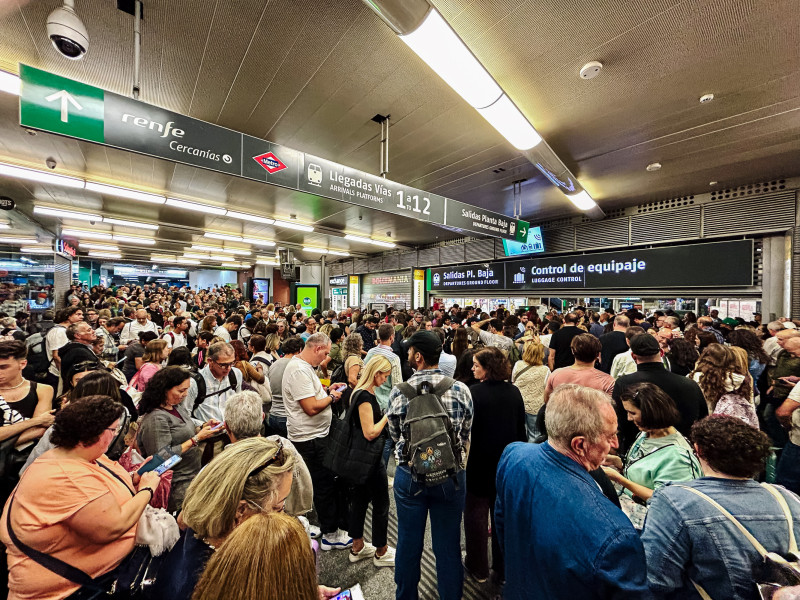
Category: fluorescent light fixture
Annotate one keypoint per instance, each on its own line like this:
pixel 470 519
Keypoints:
pixel 245 217
pixel 196 206
pixel 9 83
pixel 582 200
pixel 291 225
pixel 164 259
pixel 235 251
pixel 366 240
pixel 105 254
pixel 187 261
pixel 439 46
pixel 267 261
pixel 134 240
pixel 511 123
pixel 89 235
pixel 5 226
pixel 338 253
pixel 121 192
pixel 257 241
pixel 94 246
pixel 134 224
pixel 66 214
pixel 40 176
pixel 194 255
pixel 318 250
pixel 36 250
pixel 23 241
pixel 224 236
pixel 204 247
pixel 225 259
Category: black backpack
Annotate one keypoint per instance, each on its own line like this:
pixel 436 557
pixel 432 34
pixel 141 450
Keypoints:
pixel 338 375
pixel 38 363
pixel 202 390
pixel 432 450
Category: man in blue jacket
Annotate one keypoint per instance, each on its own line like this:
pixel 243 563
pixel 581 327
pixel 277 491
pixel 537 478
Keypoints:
pixel 561 537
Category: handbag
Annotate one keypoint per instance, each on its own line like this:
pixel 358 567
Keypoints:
pixel 776 571
pixel 350 455
pixel 11 459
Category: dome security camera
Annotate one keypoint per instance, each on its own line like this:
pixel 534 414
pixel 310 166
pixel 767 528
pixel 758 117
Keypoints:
pixel 67 32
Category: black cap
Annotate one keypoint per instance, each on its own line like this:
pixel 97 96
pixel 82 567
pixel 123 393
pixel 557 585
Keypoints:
pixel 645 344
pixel 425 342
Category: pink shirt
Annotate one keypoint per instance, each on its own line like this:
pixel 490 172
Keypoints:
pixel 592 378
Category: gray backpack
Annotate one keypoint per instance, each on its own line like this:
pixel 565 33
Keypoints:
pixel 432 450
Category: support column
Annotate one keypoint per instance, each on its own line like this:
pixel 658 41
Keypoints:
pixel 776 258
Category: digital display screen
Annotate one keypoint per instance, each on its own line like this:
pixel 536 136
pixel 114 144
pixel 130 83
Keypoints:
pixel 533 245
pixel 260 290
pixel 307 298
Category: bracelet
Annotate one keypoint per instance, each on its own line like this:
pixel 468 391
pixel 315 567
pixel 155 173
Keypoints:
pixel 147 489
pixel 195 440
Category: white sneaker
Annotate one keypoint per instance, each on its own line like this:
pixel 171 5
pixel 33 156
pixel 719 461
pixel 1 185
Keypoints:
pixel 314 532
pixel 338 540
pixel 387 560
pixel 368 551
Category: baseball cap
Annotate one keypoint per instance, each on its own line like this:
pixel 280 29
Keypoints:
pixel 645 344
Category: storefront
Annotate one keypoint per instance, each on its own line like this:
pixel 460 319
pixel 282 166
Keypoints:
pixel 338 292
pixel 394 289
pixel 647 279
pixel 26 283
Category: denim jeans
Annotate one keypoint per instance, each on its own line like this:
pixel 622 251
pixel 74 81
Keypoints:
pixel 788 474
pixel 276 426
pixel 387 450
pixel 445 503
pixel 530 427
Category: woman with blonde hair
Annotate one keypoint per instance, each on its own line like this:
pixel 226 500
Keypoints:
pixel 267 558
pixel 155 353
pixel 530 376
pixel 369 421
pixel 250 477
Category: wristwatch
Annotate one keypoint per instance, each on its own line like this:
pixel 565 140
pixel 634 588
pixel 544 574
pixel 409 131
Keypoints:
pixel 195 440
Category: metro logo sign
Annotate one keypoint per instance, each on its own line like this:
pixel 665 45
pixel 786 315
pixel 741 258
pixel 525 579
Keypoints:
pixel 270 162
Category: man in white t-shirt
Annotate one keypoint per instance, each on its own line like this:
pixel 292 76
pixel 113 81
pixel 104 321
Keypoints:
pixel 57 338
pixel 308 411
pixel 130 333
pixel 177 337
pixel 231 324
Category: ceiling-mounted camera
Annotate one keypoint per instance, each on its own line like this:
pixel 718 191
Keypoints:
pixel 67 32
pixel 51 162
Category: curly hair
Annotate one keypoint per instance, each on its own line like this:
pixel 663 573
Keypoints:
pixel 84 421
pixel 731 446
pixel 683 353
pixel 352 345
pixel 716 366
pixel 155 392
pixel 495 363
pixel 747 339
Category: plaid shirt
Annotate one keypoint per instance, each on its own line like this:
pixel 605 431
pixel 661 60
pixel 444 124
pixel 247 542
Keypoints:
pixel 457 402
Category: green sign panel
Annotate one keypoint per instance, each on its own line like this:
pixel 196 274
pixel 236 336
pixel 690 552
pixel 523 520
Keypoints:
pixel 59 105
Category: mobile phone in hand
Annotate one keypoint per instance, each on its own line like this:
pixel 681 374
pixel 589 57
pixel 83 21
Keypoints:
pixel 168 464
pixel 152 464
pixel 218 426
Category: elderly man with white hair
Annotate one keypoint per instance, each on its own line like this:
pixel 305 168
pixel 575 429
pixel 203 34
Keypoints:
pixel 561 537
pixel 130 333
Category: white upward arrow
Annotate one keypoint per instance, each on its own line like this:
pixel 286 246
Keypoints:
pixel 66 98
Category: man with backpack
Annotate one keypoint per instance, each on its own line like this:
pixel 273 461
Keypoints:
pixel 430 476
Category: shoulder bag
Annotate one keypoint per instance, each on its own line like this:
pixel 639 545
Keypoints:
pixel 350 455
pixel 776 571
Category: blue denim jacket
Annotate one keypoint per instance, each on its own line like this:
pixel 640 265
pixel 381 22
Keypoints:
pixel 562 539
pixel 685 538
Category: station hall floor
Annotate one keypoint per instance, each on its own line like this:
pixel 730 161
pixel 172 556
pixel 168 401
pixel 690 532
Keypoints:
pixel 336 570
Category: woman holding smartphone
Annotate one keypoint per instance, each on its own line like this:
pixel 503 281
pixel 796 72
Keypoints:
pixel 166 423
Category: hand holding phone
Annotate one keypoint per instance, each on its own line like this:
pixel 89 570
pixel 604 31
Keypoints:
pixel 167 464
pixel 218 426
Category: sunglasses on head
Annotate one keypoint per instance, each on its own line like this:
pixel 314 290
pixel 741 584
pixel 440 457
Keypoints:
pixel 278 456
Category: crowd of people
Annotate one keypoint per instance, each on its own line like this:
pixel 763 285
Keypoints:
pixel 584 455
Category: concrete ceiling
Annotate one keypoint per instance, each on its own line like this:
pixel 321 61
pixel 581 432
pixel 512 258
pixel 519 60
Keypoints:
pixel 311 75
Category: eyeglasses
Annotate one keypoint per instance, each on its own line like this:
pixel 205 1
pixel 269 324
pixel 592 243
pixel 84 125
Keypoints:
pixel 273 459
pixel 116 429
pixel 224 365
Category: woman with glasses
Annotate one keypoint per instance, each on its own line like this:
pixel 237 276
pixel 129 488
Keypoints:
pixel 74 504
pixel 659 454
pixel 166 425
pixel 249 477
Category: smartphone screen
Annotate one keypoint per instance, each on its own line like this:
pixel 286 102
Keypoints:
pixel 218 426
pixel 168 464
pixel 151 464
pixel 345 595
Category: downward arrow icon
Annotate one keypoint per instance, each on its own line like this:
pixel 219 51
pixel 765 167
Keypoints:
pixel 66 99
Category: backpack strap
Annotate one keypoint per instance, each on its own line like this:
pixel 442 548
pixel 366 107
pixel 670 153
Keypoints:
pixel 750 538
pixel 445 384
pixel 785 507
pixel 408 390
pixel 521 373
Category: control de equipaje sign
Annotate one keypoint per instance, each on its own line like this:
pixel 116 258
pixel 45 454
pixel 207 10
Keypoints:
pixel 715 264
pixel 60 105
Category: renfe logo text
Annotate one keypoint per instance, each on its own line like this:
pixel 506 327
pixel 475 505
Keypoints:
pixel 154 125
